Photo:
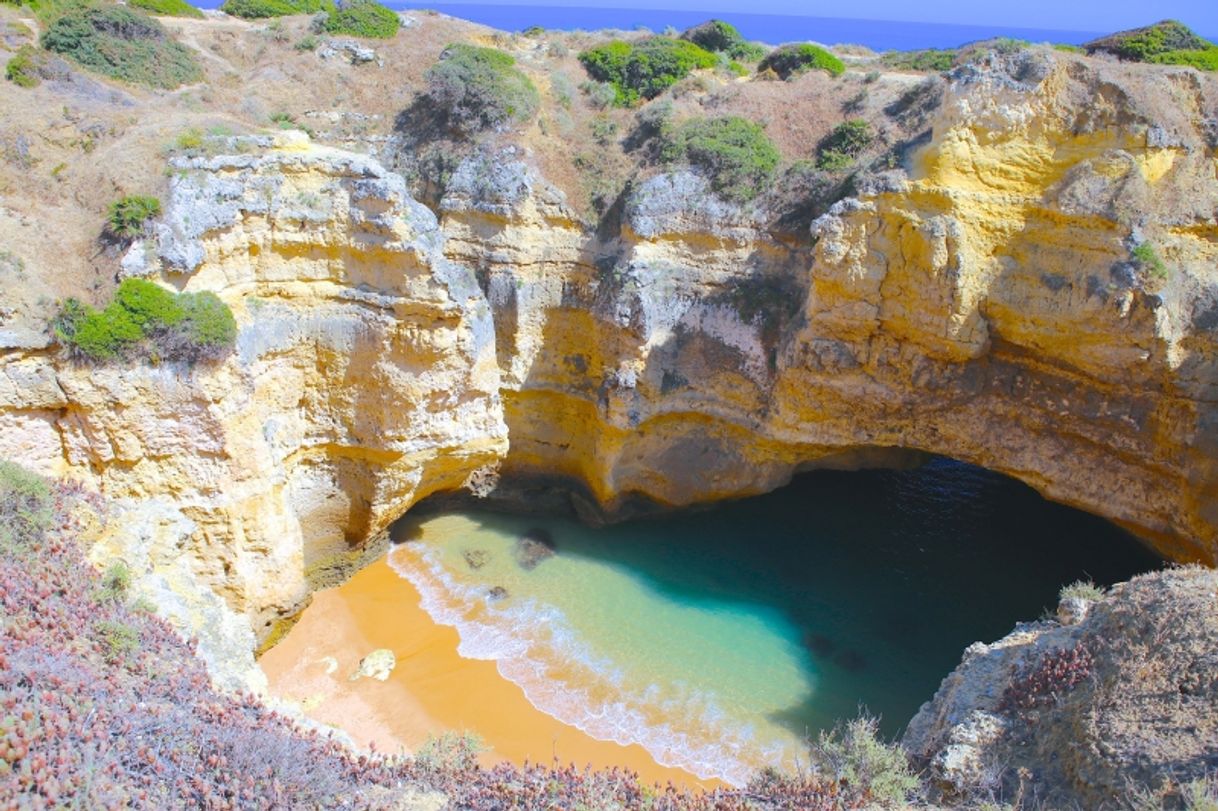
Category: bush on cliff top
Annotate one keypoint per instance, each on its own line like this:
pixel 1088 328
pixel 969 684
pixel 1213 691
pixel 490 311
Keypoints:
pixel 792 60
pixel 720 37
pixel 733 152
pixel 480 88
pixel 167 8
pixel 644 69
pixel 144 320
pixel 362 18
pixel 262 9
pixel 1168 42
pixel 122 43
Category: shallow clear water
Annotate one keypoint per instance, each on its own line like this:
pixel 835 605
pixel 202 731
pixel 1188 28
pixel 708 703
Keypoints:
pixel 718 639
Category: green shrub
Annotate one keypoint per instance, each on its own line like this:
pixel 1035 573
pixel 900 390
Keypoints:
pixel 1167 43
pixel 854 756
pixel 1148 259
pixel 167 8
pixel 189 139
pixel 1066 47
pixel 1083 589
pixel 149 305
pixel 118 640
pixel 106 335
pixel 22 68
pixel 307 43
pixel 147 320
pixel 720 37
pixel 841 148
pixel 363 18
pixel 1201 59
pixel 480 88
pixel 127 216
pixel 733 152
pixel 644 69
pixel 792 60
pixel 930 60
pixel 208 326
pixel 262 9
pixel 25 508
pixel 122 43
pixel 115 583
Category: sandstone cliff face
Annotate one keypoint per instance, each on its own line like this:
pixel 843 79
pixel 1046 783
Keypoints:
pixel 979 302
pixel 364 378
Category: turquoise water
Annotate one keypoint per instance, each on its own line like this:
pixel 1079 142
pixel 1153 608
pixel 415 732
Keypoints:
pixel 719 639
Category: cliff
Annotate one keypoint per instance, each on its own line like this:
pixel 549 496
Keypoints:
pixel 978 296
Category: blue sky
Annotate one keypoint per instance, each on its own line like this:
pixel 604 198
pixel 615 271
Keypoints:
pixel 1078 15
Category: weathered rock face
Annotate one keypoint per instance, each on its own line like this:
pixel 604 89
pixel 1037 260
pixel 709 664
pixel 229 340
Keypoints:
pixel 982 302
pixel 1123 700
pixel 364 378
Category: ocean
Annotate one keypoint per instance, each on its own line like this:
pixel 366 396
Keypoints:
pixel 878 35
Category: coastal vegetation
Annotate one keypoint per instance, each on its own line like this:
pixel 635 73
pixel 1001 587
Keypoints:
pixel 479 88
pixel 718 36
pixel 128 215
pixel 362 18
pixel 792 60
pixel 167 8
pixel 146 321
pixel 122 43
pixel 733 152
pixel 263 9
pixel 644 69
pixel 1169 42
pixel 842 147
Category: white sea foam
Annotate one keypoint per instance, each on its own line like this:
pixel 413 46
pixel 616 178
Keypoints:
pixel 534 647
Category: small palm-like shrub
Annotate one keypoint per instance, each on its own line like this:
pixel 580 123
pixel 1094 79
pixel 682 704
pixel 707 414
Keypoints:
pixel 844 144
pixel 146 320
pixel 644 69
pixel 1081 589
pixel 480 88
pixel 733 152
pixel 126 217
pixel 122 43
pixel 792 60
pixel 363 18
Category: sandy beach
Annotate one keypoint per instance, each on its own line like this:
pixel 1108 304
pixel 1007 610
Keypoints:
pixel 431 689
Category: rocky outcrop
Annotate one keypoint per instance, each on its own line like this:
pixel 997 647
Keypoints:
pixel 364 378
pixel 981 300
pixel 1122 701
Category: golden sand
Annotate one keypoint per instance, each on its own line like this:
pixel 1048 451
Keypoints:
pixel 432 689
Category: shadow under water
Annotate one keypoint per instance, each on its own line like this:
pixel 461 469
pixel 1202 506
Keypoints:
pixel 790 609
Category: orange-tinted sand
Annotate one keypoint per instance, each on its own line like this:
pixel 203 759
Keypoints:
pixel 432 689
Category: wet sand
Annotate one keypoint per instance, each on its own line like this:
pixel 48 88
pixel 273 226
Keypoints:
pixel 432 689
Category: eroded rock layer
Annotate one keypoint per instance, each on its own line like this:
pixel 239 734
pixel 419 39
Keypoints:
pixel 980 300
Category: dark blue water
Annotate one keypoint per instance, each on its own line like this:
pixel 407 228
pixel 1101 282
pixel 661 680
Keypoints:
pixel 880 35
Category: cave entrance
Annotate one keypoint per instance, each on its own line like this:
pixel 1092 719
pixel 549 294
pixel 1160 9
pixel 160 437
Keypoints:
pixel 720 638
